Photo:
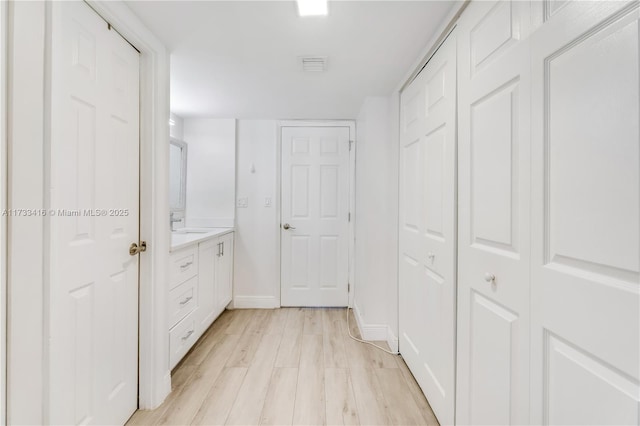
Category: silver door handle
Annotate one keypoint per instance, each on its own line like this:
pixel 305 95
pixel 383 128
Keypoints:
pixel 287 226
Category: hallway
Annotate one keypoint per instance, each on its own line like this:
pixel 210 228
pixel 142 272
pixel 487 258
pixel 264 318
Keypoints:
pixel 289 366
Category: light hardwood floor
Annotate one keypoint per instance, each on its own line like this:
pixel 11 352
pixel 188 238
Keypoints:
pixel 289 366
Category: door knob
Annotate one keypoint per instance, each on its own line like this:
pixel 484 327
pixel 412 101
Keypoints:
pixel 135 248
pixel 287 226
pixel 489 277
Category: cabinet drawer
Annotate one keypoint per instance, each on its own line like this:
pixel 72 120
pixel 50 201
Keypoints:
pixel 182 337
pixel 182 300
pixel 182 266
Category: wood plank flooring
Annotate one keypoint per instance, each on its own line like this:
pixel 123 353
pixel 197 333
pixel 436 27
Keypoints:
pixel 289 366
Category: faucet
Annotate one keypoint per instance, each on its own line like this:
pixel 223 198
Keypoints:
pixel 173 220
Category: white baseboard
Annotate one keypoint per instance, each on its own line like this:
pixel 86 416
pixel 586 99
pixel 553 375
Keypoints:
pixel 255 302
pixel 392 340
pixel 160 395
pixel 370 331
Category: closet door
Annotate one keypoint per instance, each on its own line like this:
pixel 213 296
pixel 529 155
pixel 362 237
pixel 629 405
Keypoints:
pixel 427 230
pixel 92 280
pixel 585 242
pixel 494 189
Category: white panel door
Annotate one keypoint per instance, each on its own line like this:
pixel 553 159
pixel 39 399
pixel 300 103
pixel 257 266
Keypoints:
pixel 427 295
pixel 493 209
pixel 314 216
pixel 585 215
pixel 93 285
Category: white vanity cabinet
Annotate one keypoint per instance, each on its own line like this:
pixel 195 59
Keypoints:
pixel 208 252
pixel 200 287
pixel 183 302
pixel 215 277
pixel 224 272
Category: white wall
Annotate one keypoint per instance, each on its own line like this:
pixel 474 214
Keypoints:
pixel 257 237
pixel 376 282
pixel 210 172
pixel 257 249
pixel 391 293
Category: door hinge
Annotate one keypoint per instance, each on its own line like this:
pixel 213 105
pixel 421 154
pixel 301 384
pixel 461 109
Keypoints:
pixel 350 143
pixel 348 287
pixel 349 216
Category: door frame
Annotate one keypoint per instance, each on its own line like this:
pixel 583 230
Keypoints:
pixel 29 32
pixel 352 193
pixel 3 205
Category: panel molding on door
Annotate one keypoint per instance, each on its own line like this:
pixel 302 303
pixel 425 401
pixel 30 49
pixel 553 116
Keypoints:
pixel 93 297
pixel 585 362
pixel 314 216
pixel 493 222
pixel 427 292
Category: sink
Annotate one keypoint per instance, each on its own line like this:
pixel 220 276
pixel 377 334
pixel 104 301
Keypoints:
pixel 192 231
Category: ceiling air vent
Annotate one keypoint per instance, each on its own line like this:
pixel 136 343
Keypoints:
pixel 314 63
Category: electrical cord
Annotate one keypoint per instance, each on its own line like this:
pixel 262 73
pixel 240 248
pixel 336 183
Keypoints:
pixel 364 341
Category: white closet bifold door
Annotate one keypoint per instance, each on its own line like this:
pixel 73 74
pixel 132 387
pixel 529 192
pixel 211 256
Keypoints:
pixel 585 305
pixel 493 233
pixel 427 229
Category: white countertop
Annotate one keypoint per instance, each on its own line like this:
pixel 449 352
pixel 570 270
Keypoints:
pixel 181 239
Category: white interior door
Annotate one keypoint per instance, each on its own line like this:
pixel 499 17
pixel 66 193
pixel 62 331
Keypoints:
pixel 427 229
pixel 314 216
pixel 94 192
pixel 493 194
pixel 585 241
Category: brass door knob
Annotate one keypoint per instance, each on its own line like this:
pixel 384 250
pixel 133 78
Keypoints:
pixel 136 249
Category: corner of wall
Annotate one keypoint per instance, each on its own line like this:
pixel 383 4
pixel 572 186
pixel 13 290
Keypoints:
pixel 375 285
pixel 370 331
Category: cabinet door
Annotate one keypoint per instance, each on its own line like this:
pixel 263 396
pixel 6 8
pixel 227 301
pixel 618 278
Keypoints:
pixel 493 213
pixel 208 252
pixel 224 277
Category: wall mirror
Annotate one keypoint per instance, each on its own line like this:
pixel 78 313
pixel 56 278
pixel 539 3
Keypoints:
pixel 177 176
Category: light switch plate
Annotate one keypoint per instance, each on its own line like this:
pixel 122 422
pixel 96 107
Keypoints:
pixel 243 203
pixel 267 202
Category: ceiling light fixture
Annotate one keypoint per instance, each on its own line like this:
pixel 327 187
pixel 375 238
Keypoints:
pixel 312 7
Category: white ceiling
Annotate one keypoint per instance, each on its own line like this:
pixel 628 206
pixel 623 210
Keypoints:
pixel 240 59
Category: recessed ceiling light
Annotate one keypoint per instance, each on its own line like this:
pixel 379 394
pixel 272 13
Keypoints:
pixel 312 7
